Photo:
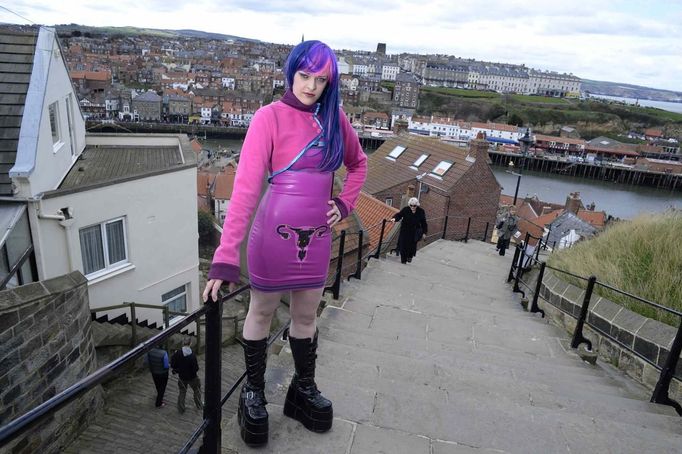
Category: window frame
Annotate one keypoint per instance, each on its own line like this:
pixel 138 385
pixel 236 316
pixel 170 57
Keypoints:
pixel 446 165
pixel 183 294
pixel 55 127
pixel 396 152
pixel 108 266
pixel 419 161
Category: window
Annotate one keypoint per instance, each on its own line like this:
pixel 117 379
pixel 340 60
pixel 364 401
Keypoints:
pixel 395 153
pixel 441 169
pixel 176 300
pixel 389 201
pixel 54 121
pixel 103 246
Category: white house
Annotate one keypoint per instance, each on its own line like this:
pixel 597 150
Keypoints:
pixel 389 71
pixel 119 208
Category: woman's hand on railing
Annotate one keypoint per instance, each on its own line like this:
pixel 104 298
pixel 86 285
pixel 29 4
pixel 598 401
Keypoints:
pixel 212 287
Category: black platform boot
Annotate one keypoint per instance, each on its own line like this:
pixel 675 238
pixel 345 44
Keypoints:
pixel 304 402
pixel 252 415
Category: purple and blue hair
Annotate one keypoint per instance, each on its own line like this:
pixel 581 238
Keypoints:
pixel 316 57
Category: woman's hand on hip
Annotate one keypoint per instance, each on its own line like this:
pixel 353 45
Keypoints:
pixel 333 215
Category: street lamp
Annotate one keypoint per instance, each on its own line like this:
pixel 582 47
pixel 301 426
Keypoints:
pixel 524 143
pixel 518 180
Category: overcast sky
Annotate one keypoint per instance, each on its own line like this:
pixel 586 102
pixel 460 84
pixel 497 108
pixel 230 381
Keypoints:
pixel 637 42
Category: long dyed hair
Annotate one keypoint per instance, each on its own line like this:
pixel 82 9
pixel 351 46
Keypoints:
pixel 316 57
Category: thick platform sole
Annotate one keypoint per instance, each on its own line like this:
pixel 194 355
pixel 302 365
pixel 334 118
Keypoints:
pixel 253 433
pixel 296 408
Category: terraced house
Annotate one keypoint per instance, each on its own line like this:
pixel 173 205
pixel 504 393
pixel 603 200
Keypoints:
pixel 121 209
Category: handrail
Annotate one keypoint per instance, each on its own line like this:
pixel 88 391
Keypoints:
pixel 37 414
pixel 660 394
pixel 568 272
pixel 641 300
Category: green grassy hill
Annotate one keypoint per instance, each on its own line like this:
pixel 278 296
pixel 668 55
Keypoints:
pixel 642 257
pixel 591 117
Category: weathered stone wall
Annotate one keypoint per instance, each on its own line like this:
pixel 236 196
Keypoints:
pixel 46 346
pixel 632 332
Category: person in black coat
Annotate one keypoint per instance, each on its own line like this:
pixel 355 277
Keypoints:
pixel 184 364
pixel 412 229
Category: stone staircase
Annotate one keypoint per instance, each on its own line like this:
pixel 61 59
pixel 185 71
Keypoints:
pixel 130 423
pixel 437 356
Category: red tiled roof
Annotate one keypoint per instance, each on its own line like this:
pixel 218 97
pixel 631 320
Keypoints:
pixel 91 75
pixel 383 173
pixel 595 218
pixel 204 180
pixel 224 183
pixel 372 211
pixel 196 145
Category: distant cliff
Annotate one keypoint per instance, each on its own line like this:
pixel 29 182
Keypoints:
pixel 629 91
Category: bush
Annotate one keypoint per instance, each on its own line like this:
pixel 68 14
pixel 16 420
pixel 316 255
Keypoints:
pixel 205 226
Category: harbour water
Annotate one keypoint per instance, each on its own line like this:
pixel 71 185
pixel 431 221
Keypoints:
pixel 669 106
pixel 618 200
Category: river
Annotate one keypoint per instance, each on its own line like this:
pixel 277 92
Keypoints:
pixel 622 201
pixel 669 106
pixel 619 200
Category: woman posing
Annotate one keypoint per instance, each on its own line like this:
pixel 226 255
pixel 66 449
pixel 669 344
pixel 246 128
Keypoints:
pixel 299 141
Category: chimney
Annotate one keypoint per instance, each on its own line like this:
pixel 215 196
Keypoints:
pixel 399 126
pixel 573 202
pixel 478 148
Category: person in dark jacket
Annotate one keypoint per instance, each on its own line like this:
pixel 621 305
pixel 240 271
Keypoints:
pixel 157 359
pixel 506 229
pixel 184 363
pixel 412 229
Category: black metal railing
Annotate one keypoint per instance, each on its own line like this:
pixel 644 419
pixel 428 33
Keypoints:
pixel 209 427
pixel 661 391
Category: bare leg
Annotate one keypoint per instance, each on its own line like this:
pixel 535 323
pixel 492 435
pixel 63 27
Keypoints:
pixel 261 309
pixel 303 312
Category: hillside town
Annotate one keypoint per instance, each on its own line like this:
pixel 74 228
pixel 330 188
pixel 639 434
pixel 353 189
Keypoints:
pixel 109 232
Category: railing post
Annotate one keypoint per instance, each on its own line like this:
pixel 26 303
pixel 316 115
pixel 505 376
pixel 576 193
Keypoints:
pixel 198 322
pixel 212 408
pixel 381 238
pixel 336 287
pixel 548 232
pixel 466 237
pixel 133 325
pixel 525 247
pixel 445 227
pixel 358 267
pixel 660 395
pixel 578 337
pixel 519 270
pixel 166 324
pixel 537 250
pixel 513 264
pixel 534 305
pixel 485 234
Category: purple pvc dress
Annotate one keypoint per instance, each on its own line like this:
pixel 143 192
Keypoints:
pixel 290 242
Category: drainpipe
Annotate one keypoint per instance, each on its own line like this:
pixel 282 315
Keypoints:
pixel 65 218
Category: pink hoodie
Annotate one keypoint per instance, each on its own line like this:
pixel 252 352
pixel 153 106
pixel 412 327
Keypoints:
pixel 278 132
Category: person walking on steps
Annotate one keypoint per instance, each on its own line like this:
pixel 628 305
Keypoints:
pixel 157 360
pixel 299 141
pixel 412 230
pixel 184 364
pixel 507 230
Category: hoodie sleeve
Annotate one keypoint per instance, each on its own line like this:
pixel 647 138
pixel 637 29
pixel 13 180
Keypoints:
pixel 355 160
pixel 253 163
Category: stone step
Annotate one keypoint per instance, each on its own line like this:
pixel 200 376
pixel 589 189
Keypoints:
pixel 533 353
pixel 389 375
